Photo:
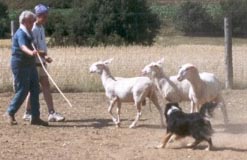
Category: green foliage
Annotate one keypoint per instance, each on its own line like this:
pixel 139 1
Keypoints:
pixel 192 17
pixel 237 10
pixel 57 28
pixel 113 22
pixel 165 12
pixel 107 22
pixel 27 4
pixel 4 20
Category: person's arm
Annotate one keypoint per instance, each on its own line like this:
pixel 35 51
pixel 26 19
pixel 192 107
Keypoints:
pixel 23 45
pixel 48 59
pixel 36 33
pixel 35 37
pixel 29 52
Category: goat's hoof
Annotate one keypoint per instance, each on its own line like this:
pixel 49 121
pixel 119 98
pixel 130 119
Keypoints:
pixel 118 125
pixel 159 146
pixel 132 126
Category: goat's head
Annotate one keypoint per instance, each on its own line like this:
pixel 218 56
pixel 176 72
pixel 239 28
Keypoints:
pixel 186 71
pixel 153 67
pixel 99 66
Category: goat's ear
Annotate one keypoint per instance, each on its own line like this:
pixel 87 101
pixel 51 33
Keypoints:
pixel 161 61
pixel 156 65
pixel 108 61
pixel 192 67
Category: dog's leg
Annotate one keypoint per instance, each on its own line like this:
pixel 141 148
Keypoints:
pixel 174 137
pixel 165 140
pixel 112 103
pixel 195 143
pixel 138 115
pixel 210 144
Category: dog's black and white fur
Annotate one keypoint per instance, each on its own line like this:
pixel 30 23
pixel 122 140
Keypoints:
pixel 196 125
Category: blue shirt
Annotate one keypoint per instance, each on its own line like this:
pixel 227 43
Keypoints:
pixel 19 58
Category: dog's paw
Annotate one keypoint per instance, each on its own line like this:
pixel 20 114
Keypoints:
pixel 189 145
pixel 209 148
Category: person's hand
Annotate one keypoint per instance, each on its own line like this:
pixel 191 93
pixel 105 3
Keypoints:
pixel 48 59
pixel 34 53
pixel 42 53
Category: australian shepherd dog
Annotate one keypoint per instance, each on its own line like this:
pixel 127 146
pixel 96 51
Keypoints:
pixel 195 125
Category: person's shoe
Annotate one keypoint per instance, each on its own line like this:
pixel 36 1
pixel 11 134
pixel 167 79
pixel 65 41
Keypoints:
pixel 55 117
pixel 27 116
pixel 10 119
pixel 38 121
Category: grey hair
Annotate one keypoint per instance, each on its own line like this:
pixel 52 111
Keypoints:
pixel 26 15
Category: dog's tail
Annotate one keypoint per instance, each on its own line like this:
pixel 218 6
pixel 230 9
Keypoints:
pixel 207 109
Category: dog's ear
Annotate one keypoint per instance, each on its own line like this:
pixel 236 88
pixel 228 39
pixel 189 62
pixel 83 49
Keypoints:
pixel 169 106
pixel 173 104
pixel 176 104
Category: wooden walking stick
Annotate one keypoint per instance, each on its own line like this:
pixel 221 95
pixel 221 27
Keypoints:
pixel 66 99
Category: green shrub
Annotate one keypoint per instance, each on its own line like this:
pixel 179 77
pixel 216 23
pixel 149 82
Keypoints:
pixel 57 28
pixel 4 20
pixel 111 22
pixel 215 11
pixel 237 10
pixel 192 17
pixel 30 4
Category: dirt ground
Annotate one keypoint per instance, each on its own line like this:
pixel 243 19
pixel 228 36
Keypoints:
pixel 88 132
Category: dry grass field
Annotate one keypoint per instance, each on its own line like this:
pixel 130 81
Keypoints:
pixel 71 64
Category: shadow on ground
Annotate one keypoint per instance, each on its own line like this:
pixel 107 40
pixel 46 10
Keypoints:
pixel 232 128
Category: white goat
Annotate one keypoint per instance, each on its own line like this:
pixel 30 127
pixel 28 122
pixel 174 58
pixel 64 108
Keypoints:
pixel 120 90
pixel 205 87
pixel 169 87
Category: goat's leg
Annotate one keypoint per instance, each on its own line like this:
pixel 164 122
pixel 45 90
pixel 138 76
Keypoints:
pixel 118 113
pixel 192 105
pixel 138 115
pixel 112 103
pixel 197 107
pixel 221 102
pixel 154 99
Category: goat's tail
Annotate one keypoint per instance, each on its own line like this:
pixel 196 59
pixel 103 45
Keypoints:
pixel 207 109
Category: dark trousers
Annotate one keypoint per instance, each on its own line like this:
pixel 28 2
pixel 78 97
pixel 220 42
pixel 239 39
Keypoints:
pixel 25 80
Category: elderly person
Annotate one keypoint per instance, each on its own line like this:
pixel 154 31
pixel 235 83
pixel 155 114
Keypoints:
pixel 24 71
pixel 41 12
